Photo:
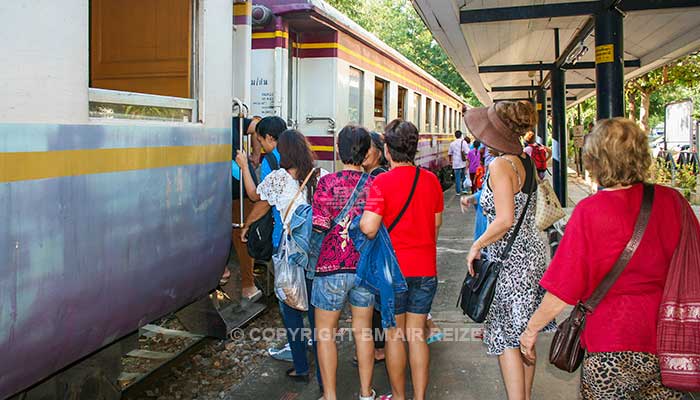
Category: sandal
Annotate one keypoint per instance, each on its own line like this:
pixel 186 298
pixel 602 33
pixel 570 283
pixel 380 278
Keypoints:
pixel 370 397
pixel 292 374
pixel 436 337
pixel 385 397
pixel 376 361
pixel 225 277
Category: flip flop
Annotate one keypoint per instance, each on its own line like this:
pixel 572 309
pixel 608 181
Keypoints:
pixel 435 338
pixel 376 361
pixel 255 296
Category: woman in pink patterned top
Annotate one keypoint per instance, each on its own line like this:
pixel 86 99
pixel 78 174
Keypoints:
pixel 334 283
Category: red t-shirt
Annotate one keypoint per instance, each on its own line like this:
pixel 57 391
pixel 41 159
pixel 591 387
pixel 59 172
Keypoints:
pixel 413 238
pixel 597 233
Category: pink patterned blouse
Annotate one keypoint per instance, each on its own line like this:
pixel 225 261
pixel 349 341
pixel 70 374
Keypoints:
pixel 338 253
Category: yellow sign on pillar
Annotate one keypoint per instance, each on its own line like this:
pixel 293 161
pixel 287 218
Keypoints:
pixel 604 53
pixel 539 106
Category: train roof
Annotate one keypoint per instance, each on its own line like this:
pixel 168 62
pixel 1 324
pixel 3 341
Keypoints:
pixel 344 23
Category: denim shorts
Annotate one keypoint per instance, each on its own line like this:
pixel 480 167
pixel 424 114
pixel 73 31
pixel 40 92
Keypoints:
pixel 419 297
pixel 330 292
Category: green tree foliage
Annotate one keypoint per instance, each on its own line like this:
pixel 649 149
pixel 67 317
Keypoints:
pixel 397 24
pixel 675 81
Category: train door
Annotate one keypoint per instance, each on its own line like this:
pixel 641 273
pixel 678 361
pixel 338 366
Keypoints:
pixel 292 80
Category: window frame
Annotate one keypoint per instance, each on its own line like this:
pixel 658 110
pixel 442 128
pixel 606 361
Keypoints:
pixel 385 100
pixel 98 96
pixel 361 96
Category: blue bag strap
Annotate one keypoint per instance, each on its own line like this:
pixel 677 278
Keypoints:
pixel 353 199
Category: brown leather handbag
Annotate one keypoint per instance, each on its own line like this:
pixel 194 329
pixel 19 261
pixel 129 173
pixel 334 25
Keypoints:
pixel 566 352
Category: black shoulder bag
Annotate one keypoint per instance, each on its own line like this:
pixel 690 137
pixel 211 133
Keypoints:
pixel 408 202
pixel 260 233
pixel 477 291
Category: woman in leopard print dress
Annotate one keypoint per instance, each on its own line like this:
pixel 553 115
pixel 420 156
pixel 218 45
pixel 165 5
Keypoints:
pixel 512 179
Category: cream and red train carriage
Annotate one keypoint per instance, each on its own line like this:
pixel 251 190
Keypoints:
pixel 319 70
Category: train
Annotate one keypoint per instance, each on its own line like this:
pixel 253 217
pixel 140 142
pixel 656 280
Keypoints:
pixel 320 70
pixel 116 124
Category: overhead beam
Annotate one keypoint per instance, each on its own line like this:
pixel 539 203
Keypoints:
pixel 528 88
pixel 528 12
pixel 582 34
pixel 491 69
pixel 487 69
pixel 568 98
pixel 501 14
pixel 642 5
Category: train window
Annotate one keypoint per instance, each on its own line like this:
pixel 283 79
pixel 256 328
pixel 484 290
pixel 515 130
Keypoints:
pixel 380 94
pixel 444 118
pixel 428 115
pixel 436 122
pixel 416 107
pixel 403 111
pixel 355 97
pixel 141 59
pixel 449 120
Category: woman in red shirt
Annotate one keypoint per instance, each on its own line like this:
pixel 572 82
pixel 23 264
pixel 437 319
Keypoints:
pixel 414 239
pixel 620 335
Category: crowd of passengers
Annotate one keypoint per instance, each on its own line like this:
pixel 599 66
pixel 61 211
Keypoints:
pixel 376 222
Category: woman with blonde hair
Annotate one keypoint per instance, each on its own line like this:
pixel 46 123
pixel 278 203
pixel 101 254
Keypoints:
pixel 620 334
pixel 509 199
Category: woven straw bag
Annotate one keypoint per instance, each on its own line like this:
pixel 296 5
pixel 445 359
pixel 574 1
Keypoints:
pixel 549 209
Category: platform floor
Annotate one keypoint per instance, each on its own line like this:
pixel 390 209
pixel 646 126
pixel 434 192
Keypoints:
pixel 460 369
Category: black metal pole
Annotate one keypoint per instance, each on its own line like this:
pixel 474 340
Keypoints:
pixel 559 135
pixel 541 107
pixel 609 71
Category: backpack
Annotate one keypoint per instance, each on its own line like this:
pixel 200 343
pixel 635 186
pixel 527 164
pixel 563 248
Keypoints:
pixel 678 327
pixel 539 156
pixel 260 232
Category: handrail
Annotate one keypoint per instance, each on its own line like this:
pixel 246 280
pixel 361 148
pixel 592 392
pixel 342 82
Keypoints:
pixel 241 116
pixel 331 129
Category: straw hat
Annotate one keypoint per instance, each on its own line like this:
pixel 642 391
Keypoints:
pixel 485 124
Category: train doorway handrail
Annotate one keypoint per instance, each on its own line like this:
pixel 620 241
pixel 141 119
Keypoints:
pixel 242 111
pixel 331 130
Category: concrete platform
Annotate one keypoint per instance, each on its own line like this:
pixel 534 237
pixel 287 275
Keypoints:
pixel 460 368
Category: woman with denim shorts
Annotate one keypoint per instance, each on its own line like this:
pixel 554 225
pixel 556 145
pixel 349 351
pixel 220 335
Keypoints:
pixel 414 238
pixel 338 199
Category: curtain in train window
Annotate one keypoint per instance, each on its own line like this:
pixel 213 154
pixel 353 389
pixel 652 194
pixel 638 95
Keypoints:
pixel 436 121
pixel 141 46
pixel 444 118
pixel 380 91
pixel 402 111
pixel 428 115
pixel 416 107
pixel 355 96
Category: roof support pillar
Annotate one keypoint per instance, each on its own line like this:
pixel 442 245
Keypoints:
pixel 559 135
pixel 609 71
pixel 541 107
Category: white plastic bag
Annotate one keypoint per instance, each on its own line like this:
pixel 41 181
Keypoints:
pixel 290 280
pixel 467 183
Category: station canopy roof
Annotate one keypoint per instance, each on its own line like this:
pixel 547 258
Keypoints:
pixel 482 36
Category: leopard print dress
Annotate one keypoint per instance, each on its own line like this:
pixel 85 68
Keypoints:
pixel 518 291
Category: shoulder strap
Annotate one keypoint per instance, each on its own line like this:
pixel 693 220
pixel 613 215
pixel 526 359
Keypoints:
pixel 639 229
pixel 405 206
pixel 272 160
pixel 353 199
pixel 511 241
pixel 296 196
